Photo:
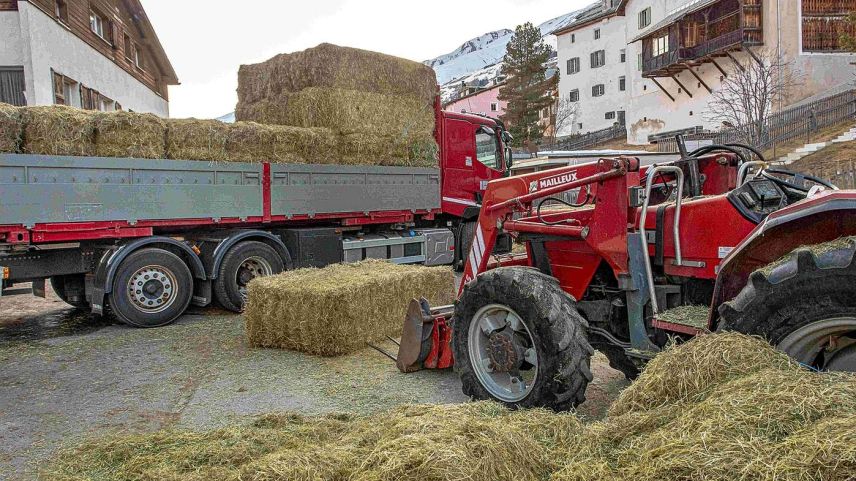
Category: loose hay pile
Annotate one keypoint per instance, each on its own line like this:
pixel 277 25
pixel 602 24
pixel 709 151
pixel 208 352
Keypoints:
pixel 382 106
pixel 721 407
pixel 338 309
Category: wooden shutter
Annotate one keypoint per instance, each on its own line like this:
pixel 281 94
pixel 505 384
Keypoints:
pixel 59 92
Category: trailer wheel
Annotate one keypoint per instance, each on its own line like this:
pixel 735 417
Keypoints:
pixel 152 288
pixel 243 263
pixel 71 289
pixel 805 305
pixel 518 339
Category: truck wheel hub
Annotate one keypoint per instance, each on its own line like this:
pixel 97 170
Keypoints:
pixel 152 289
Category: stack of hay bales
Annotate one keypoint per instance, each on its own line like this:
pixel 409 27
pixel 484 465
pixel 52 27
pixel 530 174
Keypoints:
pixel 126 134
pixel 338 309
pixel 382 107
pixel 720 407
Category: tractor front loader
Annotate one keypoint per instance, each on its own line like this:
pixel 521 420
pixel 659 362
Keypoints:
pixel 634 257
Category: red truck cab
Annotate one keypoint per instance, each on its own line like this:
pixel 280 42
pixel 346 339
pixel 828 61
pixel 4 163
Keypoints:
pixel 474 151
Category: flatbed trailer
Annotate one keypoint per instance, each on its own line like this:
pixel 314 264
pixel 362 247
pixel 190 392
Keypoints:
pixel 145 238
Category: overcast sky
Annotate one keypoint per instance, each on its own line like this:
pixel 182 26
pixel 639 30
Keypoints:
pixel 207 40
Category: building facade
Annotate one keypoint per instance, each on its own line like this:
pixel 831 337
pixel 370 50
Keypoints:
pixel 482 101
pixel 98 55
pixel 679 52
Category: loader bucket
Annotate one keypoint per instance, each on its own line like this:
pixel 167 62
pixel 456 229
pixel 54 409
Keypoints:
pixel 410 355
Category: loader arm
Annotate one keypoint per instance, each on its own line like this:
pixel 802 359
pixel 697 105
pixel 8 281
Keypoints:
pixel 518 194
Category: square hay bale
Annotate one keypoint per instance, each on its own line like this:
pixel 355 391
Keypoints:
pixel 251 142
pixel 344 110
pixel 192 139
pixel 393 150
pixel 57 130
pixel 329 65
pixel 127 134
pixel 338 309
pixel 10 128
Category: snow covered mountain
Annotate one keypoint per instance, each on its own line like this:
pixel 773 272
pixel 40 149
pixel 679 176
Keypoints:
pixel 486 51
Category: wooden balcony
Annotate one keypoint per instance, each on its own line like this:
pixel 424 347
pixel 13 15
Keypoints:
pixel 683 58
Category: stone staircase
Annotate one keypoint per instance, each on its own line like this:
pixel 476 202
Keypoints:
pixel 809 149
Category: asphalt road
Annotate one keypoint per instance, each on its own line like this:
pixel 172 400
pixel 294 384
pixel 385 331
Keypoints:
pixel 66 376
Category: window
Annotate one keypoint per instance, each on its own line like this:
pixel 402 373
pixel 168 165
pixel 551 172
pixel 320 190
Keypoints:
pixel 573 65
pixel 623 56
pixel 622 84
pixel 598 59
pixel 62 10
pixel 574 96
pixel 597 34
pixel 487 149
pixel 573 38
pixel 12 86
pixel 494 107
pixel 644 18
pixel 661 45
pixel 129 47
pixel 580 125
pixel 101 27
pixel 598 90
pixel 610 116
pixel 138 57
pixel 96 24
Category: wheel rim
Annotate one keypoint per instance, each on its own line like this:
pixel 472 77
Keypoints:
pixel 251 268
pixel 152 289
pixel 502 352
pixel 827 345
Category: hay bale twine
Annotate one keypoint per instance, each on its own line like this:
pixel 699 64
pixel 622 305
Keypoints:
pixel 332 66
pixel 689 372
pixel 128 134
pixel 10 128
pixel 192 139
pixel 57 130
pixel 251 142
pixel 338 309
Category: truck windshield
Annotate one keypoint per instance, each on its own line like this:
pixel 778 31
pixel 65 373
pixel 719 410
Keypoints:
pixel 488 149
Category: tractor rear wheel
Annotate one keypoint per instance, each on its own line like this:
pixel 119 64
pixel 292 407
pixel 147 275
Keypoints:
pixel 518 339
pixel 805 304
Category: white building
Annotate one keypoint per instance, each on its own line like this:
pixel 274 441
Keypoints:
pixel 593 68
pixel 99 55
pixel 679 52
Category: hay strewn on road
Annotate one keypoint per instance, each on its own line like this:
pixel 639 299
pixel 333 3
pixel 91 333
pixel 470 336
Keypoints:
pixel 338 309
pixel 751 414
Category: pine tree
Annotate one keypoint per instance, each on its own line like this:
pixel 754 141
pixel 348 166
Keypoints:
pixel 527 90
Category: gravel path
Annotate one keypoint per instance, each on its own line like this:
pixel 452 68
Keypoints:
pixel 65 376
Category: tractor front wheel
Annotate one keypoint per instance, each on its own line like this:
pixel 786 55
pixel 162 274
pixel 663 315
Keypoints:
pixel 518 339
pixel 805 304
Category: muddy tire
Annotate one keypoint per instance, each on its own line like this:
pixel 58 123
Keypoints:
pixel 71 289
pixel 802 302
pixel 152 288
pixel 240 265
pixel 550 336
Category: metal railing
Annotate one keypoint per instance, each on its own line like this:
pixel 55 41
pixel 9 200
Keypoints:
pixel 795 123
pixel 583 141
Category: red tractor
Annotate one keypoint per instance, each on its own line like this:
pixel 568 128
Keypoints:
pixel 637 256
